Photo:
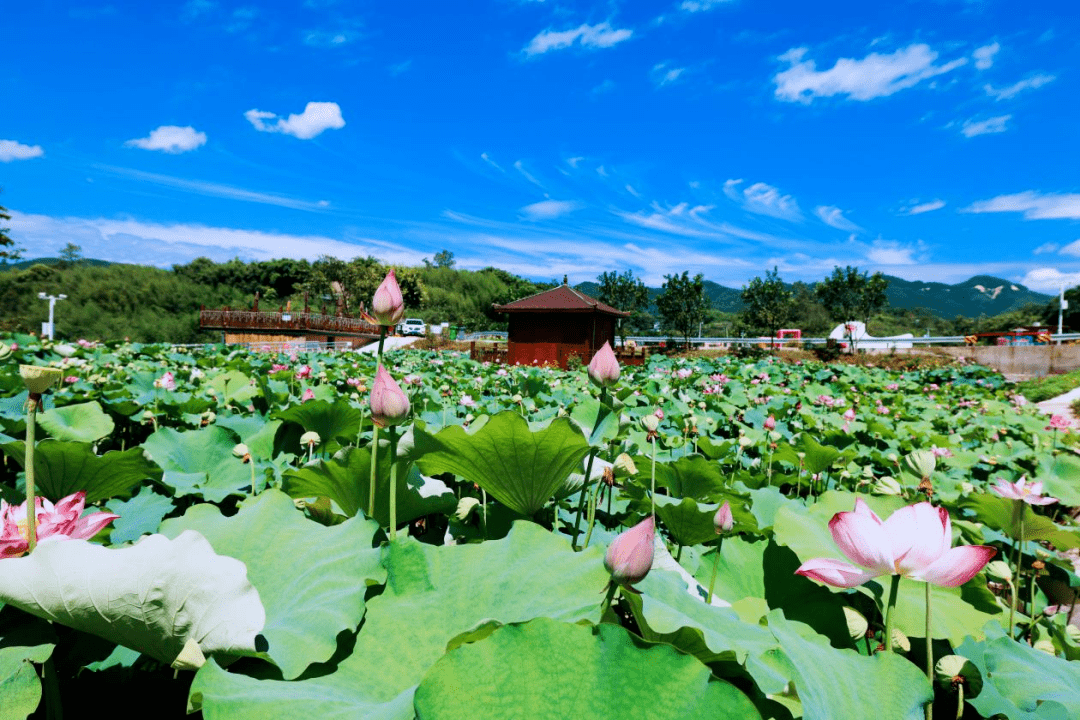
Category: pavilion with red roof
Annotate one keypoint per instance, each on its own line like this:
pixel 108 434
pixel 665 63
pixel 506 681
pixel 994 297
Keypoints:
pixel 552 326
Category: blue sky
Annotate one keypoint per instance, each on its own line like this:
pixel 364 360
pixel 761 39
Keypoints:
pixel 929 139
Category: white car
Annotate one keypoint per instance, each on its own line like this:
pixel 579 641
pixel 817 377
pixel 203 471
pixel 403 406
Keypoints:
pixel 413 326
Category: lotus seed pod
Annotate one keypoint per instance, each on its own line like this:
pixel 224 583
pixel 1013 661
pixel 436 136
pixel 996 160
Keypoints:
pixel 624 466
pixel 900 640
pixel 999 570
pixel 951 667
pixel 888 486
pixel 5 351
pixel 921 462
pixel 38 379
pixel 650 422
pixel 240 450
pixel 465 506
pixel 745 442
pixel 209 416
pixel 857 624
pixel 1045 645
pixel 148 415
pixel 310 439
pixel 516 399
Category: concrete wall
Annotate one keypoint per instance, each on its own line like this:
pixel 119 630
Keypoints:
pixel 1022 360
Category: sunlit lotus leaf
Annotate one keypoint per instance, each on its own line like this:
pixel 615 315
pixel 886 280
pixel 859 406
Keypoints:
pixel 84 422
pixel 141 515
pixel 22 645
pixel 337 423
pixel 199 462
pixel 546 668
pixel 63 468
pixel 155 597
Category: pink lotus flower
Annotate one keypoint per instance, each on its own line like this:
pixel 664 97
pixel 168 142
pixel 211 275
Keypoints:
pixel 630 555
pixel 61 521
pixel 1020 490
pixel 723 521
pixel 770 423
pixel 166 381
pixel 387 305
pixel 1059 422
pixel 604 367
pixel 71 379
pixel 850 414
pixel 389 404
pixel 916 541
pixel 278 368
pixel 308 394
pixel 303 372
pixel 892 386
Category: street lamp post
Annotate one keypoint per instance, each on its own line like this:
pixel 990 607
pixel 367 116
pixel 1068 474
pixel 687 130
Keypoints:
pixel 52 306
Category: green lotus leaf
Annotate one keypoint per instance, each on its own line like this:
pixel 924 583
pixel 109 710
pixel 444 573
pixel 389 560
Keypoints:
pixel 310 597
pixel 545 668
pixel 233 386
pixel 84 422
pixel 688 522
pixel 24 642
pixel 63 468
pixel 337 423
pixel 141 515
pixel 521 468
pixel 199 462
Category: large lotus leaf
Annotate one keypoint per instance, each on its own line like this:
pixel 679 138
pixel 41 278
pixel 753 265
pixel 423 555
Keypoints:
pixel 667 613
pixel 199 462
pixel 599 423
pixel 62 468
pixel 1020 682
pixel 346 479
pixel 141 515
pixel 335 422
pixel 85 422
pixel 688 522
pixel 1061 478
pixel 833 683
pixel 311 578
pixel 255 431
pixel 233 386
pixel 433 595
pixel 957 612
pixel 22 644
pixel 997 513
pixel 816 457
pixel 549 669
pixel 153 597
pixel 739 569
pixel 691 476
pixel 521 468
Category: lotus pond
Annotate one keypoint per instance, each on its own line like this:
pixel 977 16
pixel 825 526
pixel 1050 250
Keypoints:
pixel 497 559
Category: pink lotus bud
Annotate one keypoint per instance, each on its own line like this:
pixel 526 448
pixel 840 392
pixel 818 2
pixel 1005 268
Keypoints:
pixel 604 368
pixel 850 414
pixel 630 555
pixel 389 405
pixel 308 394
pixel 770 423
pixel 387 306
pixel 723 521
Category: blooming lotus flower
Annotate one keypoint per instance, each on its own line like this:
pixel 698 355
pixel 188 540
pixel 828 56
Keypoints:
pixel 916 541
pixel 604 367
pixel 1059 422
pixel 387 306
pixel 389 404
pixel 308 394
pixel 850 414
pixel 723 521
pixel 62 521
pixel 630 555
pixel 770 423
pixel 166 381
pixel 1020 490
pixel 303 372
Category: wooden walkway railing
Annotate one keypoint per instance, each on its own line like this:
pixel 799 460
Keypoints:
pixel 287 323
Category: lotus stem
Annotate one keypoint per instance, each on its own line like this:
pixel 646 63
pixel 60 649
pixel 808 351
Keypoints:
pixel 593 498
pixel 894 591
pixel 715 565
pixel 374 466
pixel 929 655
pixel 1018 556
pixel 252 463
pixel 606 604
pixel 959 701
pixel 581 498
pixel 652 474
pixel 393 485
pixel 31 501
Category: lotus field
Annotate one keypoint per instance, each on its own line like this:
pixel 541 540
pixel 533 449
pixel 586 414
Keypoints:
pixel 253 535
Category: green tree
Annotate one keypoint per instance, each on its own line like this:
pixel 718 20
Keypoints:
pixel 70 255
pixel 442 259
pixel 768 304
pixel 8 251
pixel 850 295
pixel 682 304
pixel 623 292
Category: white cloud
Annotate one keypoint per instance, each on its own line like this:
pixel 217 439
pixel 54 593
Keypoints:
pixel 1031 83
pixel 13 150
pixel 170 139
pixel 701 5
pixel 663 74
pixel 763 199
pixel 520 167
pixel 574 161
pixel 317 116
pixel 630 189
pixel 834 217
pixel 549 209
pixel 328 38
pixel 874 76
pixel 1050 280
pixel 163 244
pixel 990 126
pixel 489 161
pixel 593 37
pixel 1052 246
pixel 1072 248
pixel 890 252
pixel 984 56
pixel 1034 205
pixel 925 207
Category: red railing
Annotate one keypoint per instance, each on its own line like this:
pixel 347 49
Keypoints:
pixel 248 320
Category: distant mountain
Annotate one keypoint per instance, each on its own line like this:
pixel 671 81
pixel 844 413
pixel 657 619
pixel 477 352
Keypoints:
pixel 23 264
pixel 980 295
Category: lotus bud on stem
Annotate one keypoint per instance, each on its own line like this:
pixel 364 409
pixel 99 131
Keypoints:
pixel 37 380
pixel 722 523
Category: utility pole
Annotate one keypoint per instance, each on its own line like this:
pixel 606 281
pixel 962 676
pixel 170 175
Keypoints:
pixel 1063 305
pixel 48 327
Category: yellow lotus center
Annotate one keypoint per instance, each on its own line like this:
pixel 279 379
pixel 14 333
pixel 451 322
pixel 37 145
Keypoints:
pixel 24 530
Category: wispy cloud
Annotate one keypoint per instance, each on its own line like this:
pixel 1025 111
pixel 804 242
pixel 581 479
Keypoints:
pixel 873 76
pixel 664 74
pixel 925 207
pixel 549 209
pixel 520 167
pixel 834 217
pixel 170 139
pixel 990 126
pixel 694 6
pixel 891 252
pixel 317 117
pixel 1034 205
pixel 592 37
pixel 1050 280
pixel 329 38
pixel 1052 247
pixel 489 161
pixel 1031 83
pixel 13 150
pixel 763 199
pixel 984 56
pixel 210 189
